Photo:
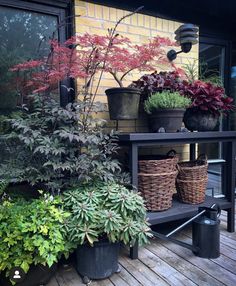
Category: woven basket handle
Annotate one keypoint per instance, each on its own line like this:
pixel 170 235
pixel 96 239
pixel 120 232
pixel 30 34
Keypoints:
pixel 202 157
pixel 171 153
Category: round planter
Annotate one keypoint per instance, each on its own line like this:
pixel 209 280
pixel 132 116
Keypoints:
pixel 36 276
pixel 198 120
pixel 97 262
pixel 123 103
pixel 169 119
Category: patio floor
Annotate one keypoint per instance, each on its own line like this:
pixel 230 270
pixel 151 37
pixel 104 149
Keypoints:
pixel 164 263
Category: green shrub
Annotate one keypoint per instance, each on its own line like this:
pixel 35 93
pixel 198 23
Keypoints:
pixel 102 210
pixel 165 100
pixel 31 233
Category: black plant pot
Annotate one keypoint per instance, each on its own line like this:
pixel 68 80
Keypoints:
pixel 123 103
pixel 198 120
pixel 97 262
pixel 169 119
pixel 36 276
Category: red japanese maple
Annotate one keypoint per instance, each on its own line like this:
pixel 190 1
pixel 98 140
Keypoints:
pixel 124 57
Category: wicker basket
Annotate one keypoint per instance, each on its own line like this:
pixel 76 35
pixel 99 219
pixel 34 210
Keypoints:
pixel 157 189
pixel 193 170
pixel 191 192
pixel 162 164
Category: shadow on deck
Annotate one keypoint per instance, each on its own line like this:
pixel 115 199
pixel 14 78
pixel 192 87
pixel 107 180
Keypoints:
pixel 164 263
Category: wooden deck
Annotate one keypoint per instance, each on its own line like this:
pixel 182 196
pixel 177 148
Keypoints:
pixel 164 263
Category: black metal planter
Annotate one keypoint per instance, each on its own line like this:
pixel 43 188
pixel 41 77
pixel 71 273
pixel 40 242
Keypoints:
pixel 38 275
pixel 123 103
pixel 169 119
pixel 97 262
pixel 198 120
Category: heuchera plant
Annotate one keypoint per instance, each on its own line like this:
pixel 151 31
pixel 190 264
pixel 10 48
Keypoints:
pixel 208 97
pixel 205 96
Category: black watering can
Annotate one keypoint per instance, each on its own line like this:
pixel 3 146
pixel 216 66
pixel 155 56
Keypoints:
pixel 205 233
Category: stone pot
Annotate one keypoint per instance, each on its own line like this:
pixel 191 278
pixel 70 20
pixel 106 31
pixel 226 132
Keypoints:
pixel 169 119
pixel 123 103
pixel 198 120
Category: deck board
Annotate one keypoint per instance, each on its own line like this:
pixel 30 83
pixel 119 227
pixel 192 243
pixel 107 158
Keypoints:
pixel 164 263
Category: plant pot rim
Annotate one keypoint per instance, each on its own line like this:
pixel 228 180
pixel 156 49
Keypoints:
pixel 159 110
pixel 123 89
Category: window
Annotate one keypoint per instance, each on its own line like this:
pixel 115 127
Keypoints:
pixel 25 29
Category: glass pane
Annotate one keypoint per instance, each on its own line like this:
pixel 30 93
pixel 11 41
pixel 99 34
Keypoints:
pixel 214 185
pixel 233 87
pixel 212 68
pixel 212 60
pixel 24 35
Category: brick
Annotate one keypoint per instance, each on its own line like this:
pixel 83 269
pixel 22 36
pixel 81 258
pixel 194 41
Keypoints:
pixel 171 27
pixel 106 13
pixel 101 32
pixel 80 11
pixel 140 19
pixel 132 37
pixel 119 14
pixel 80 3
pixel 89 22
pixel 139 31
pixel 91 10
pixel 155 33
pixel 165 25
pixel 144 39
pixel 147 21
pixel 120 27
pixel 134 19
pixel 98 12
pixel 113 16
pixel 153 22
pixel 80 29
pixel 159 24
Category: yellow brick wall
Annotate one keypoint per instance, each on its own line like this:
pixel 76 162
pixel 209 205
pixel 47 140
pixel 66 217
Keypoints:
pixel 139 28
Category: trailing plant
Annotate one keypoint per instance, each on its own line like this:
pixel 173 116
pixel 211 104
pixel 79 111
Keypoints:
pixel 31 233
pixel 165 100
pixel 105 211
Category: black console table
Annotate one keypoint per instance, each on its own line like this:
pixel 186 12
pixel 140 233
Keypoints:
pixel 180 210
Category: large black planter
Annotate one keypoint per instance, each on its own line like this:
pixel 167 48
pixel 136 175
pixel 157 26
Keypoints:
pixel 123 103
pixel 169 119
pixel 198 120
pixel 37 275
pixel 97 262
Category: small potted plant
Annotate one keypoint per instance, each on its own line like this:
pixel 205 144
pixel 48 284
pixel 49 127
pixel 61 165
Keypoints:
pixel 102 216
pixel 165 110
pixel 32 239
pixel 209 101
pixel 122 59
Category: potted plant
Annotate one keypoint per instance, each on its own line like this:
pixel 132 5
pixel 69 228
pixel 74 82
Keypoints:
pixel 32 240
pixel 209 101
pixel 103 215
pixel 122 59
pixel 165 110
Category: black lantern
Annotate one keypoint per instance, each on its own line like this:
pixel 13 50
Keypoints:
pixel 186 36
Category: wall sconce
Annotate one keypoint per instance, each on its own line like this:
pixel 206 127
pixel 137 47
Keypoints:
pixel 186 36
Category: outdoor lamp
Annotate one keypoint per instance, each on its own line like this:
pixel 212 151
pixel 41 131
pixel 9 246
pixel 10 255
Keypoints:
pixel 186 36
